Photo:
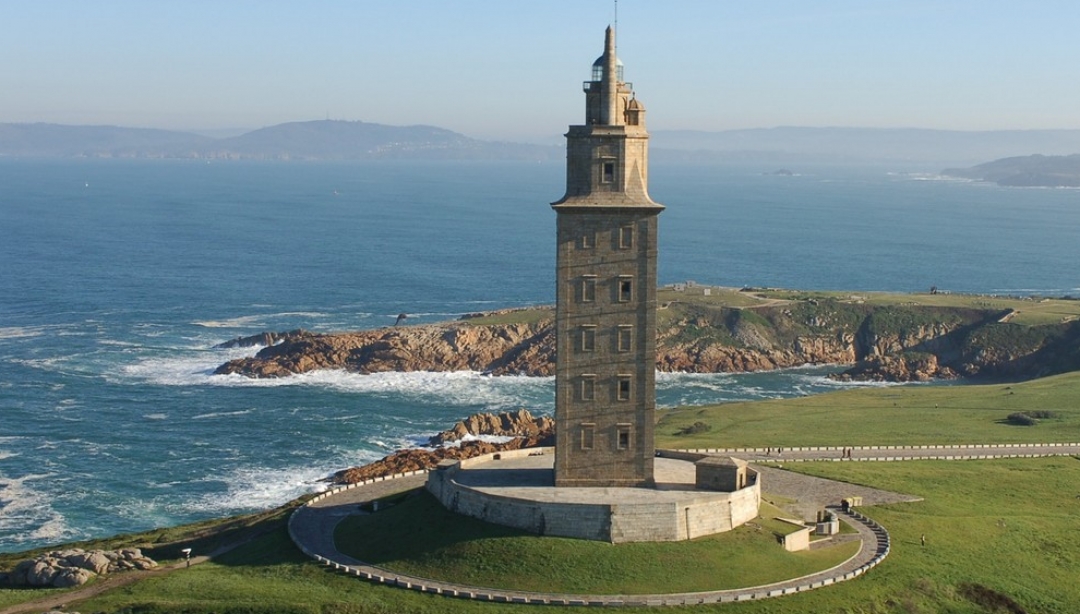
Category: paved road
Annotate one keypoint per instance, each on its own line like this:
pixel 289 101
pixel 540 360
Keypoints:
pixel 890 453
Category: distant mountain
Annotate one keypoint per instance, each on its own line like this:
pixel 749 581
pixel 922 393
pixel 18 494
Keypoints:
pixel 314 140
pixel 343 140
pixel 787 147
pixel 54 140
pixel 796 145
pixel 1025 171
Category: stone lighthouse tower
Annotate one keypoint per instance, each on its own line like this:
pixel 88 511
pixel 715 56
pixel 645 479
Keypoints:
pixel 605 315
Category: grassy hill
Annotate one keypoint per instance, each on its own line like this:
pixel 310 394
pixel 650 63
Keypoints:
pixel 1000 534
pixel 893 415
pixel 888 336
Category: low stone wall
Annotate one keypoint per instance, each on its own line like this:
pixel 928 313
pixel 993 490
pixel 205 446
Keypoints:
pixel 799 537
pixel 879 546
pixel 697 514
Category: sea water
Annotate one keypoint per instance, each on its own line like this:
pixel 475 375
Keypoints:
pixel 117 278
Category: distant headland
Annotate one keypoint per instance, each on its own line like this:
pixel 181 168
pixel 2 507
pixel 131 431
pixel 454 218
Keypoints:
pixel 1025 171
pixel 878 337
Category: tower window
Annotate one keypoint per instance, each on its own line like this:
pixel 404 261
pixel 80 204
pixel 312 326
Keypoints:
pixel 622 436
pixel 626 237
pixel 587 389
pixel 608 175
pixel 588 338
pixel 626 289
pixel 588 436
pixel 588 289
pixel 623 391
pixel 625 341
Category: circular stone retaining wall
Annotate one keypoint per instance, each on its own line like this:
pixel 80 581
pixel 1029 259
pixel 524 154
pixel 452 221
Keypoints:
pixel 616 515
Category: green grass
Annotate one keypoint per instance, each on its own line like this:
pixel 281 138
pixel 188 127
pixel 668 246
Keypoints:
pixel 1005 525
pixel 1005 528
pixel 1008 525
pixel 1029 312
pixel 162 544
pixel 421 538
pixel 717 297
pixel 531 315
pixel 898 415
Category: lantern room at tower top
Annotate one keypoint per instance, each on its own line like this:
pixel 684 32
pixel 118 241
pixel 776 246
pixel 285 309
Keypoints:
pixel 607 156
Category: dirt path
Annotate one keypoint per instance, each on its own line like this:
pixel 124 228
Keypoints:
pixel 107 583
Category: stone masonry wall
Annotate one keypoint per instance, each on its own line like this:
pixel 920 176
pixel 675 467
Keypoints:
pixel 699 514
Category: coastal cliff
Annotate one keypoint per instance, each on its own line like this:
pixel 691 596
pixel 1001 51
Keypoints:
pixel 506 349
pixel 902 341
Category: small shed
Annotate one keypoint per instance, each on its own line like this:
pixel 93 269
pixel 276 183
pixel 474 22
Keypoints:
pixel 720 473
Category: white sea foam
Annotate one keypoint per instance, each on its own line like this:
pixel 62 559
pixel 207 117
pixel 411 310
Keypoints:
pixel 26 514
pixel 826 382
pixel 238 322
pixel 934 177
pixel 259 319
pixel 24 332
pixel 117 343
pixel 262 488
pixel 221 414
pixel 158 416
pixel 467 438
pixel 189 368
pixel 20 332
pixel 456 388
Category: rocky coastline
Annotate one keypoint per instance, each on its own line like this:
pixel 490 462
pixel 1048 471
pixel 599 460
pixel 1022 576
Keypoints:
pixel 893 343
pixel 458 443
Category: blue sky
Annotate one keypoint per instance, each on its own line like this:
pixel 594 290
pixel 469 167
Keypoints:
pixel 511 69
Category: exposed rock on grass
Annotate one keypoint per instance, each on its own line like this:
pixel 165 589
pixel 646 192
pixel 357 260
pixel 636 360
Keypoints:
pixel 74 567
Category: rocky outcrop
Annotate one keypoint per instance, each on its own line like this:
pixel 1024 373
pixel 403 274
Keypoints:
pixel 903 368
pixel 507 424
pixel 893 343
pixel 717 358
pixel 261 339
pixel 74 567
pixel 417 459
pixel 527 432
pixel 511 349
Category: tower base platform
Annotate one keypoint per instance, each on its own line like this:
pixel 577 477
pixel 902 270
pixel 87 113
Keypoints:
pixel 517 489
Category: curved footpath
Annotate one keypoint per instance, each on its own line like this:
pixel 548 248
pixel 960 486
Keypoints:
pixel 312 527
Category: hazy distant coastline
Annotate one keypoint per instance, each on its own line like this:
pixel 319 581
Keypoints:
pixel 354 140
pixel 1025 171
